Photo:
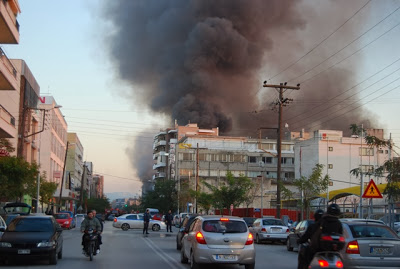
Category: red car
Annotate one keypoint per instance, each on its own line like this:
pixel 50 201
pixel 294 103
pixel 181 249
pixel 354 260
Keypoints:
pixel 64 219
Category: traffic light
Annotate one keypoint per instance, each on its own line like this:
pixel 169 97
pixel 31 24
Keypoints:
pixel 126 205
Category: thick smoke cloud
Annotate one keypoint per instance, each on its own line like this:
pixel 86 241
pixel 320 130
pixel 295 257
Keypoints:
pixel 200 60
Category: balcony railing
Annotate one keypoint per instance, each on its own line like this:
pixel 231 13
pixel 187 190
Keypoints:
pixel 8 63
pixel 5 115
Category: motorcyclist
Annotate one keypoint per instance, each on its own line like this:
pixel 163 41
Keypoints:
pixel 102 227
pixel 304 257
pixel 329 223
pixel 90 223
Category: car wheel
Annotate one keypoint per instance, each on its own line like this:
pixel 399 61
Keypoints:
pixel 53 258
pixel 125 227
pixel 250 266
pixel 258 241
pixel 155 227
pixel 288 246
pixel 59 255
pixel 184 259
pixel 193 263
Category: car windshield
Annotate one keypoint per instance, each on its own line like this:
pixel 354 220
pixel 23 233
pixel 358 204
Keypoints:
pixel 273 222
pixel 61 216
pixel 30 225
pixel 365 230
pixel 230 226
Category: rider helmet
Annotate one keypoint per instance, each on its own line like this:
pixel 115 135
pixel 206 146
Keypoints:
pixel 333 209
pixel 318 214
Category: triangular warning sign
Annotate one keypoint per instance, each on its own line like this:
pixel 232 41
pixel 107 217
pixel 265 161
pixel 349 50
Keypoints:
pixel 372 191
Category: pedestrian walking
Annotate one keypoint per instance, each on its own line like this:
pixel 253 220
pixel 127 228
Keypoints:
pixel 146 220
pixel 168 221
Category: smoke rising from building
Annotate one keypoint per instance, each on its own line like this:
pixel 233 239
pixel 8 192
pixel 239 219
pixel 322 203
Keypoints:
pixel 200 60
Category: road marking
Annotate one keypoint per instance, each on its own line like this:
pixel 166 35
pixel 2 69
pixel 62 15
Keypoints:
pixel 174 264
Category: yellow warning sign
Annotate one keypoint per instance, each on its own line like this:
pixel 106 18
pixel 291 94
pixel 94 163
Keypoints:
pixel 372 191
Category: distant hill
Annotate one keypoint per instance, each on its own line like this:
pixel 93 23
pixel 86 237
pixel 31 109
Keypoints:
pixel 118 195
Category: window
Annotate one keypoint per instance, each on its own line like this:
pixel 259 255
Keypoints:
pixel 202 156
pixel 238 158
pixel 132 217
pixel 330 148
pixel 267 159
pixel 186 156
pixel 366 152
pixel 252 159
pixel 330 166
pixel 367 168
pixel 380 151
pixel 286 147
pixel 286 160
pixel 267 146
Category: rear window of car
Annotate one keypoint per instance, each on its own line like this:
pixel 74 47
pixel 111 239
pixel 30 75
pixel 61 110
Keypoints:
pixel 273 222
pixel 30 225
pixel 364 230
pixel 218 226
pixel 61 216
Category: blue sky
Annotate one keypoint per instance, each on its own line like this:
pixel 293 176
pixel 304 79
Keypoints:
pixel 62 43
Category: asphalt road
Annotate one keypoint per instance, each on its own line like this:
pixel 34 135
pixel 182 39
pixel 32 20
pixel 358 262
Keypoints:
pixel 132 249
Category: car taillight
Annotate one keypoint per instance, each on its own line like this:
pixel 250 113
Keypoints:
pixel 323 263
pixel 353 248
pixel 339 264
pixel 224 219
pixel 263 230
pixel 287 231
pixel 250 239
pixel 326 238
pixel 115 219
pixel 200 238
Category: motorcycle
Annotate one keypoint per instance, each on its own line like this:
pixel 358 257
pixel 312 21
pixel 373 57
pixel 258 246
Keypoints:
pixel 90 241
pixel 329 257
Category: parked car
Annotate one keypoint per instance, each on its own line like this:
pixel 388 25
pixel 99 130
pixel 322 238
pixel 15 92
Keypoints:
pixel 135 221
pixel 369 243
pixel 183 229
pixel 13 210
pixel 79 218
pixel 3 226
pixel 269 229
pixel 32 236
pixel 395 221
pixel 64 219
pixel 73 224
pixel 218 240
pixel 296 233
pixel 249 221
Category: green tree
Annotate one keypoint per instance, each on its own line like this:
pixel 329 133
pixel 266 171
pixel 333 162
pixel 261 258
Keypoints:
pixel 47 190
pixel 6 144
pixel 231 191
pixel 17 177
pixel 312 186
pixel 98 204
pixel 163 197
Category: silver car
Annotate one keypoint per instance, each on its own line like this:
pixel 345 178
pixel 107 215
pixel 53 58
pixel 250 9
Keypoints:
pixel 369 244
pixel 269 229
pixel 218 240
pixel 135 221
pixel 3 226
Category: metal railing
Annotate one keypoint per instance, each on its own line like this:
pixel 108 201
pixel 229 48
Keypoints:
pixel 4 114
pixel 8 63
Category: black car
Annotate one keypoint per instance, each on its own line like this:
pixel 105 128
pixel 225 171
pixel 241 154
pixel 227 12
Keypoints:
pixel 296 233
pixel 184 229
pixel 249 221
pixel 32 236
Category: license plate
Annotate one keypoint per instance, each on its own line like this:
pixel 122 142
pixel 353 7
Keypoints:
pixel 226 257
pixel 276 230
pixel 380 250
pixel 24 251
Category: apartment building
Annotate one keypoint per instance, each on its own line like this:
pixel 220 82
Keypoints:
pixel 97 186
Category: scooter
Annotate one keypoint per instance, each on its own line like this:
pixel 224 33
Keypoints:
pixel 329 257
pixel 90 241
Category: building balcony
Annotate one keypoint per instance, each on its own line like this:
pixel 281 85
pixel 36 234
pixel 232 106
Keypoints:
pixel 159 143
pixel 7 124
pixel 159 175
pixel 160 153
pixel 173 141
pixel 8 73
pixel 9 27
pixel 158 165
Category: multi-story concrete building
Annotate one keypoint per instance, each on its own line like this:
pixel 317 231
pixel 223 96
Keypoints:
pixel 340 155
pixel 97 186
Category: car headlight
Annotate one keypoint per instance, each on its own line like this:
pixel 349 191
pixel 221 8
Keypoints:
pixel 5 245
pixel 46 244
pixel 67 222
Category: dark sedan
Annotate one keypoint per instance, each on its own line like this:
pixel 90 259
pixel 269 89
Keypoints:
pixel 183 229
pixel 296 233
pixel 32 237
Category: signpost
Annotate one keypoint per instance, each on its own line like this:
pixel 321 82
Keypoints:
pixel 372 191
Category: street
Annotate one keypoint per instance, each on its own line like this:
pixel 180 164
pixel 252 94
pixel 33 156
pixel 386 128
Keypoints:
pixel 131 249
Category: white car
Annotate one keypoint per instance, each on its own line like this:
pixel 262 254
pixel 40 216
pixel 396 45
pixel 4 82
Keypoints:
pixel 79 218
pixel 269 229
pixel 135 221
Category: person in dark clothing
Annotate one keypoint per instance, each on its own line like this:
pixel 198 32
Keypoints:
pixel 102 226
pixel 146 220
pixel 304 257
pixel 168 221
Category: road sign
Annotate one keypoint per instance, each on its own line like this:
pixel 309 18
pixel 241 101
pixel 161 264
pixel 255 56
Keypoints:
pixel 231 207
pixel 372 191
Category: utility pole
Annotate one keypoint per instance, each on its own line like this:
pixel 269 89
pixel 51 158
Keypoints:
pixel 82 185
pixel 281 103
pixel 62 177
pixel 197 175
